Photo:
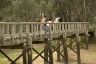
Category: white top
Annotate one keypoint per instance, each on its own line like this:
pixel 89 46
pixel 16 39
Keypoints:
pixel 56 20
pixel 49 23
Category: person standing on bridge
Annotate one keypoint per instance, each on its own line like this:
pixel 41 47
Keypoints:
pixel 49 22
pixel 45 24
pixel 49 25
pixel 57 20
pixel 43 20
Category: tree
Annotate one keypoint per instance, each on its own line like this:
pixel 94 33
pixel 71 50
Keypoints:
pixel 77 10
pixel 4 3
pixel 31 10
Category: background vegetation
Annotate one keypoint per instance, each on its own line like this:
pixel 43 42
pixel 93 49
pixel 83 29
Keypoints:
pixel 31 10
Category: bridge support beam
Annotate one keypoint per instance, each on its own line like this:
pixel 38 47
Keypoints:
pixel 78 53
pixel 87 39
pixel 65 51
pixel 29 50
pixel 25 61
pixel 48 52
pixel 29 53
pixel 58 55
pixel 78 49
pixel 65 54
pixel 24 56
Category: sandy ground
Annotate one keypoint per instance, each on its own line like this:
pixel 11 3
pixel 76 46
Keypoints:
pixel 87 57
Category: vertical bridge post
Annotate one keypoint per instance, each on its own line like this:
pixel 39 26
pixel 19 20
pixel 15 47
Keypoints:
pixel 29 44
pixel 78 49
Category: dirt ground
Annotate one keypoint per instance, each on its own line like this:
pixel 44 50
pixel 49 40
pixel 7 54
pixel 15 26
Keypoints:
pixel 87 56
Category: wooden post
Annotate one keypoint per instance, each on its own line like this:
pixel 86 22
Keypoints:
pixel 58 55
pixel 78 53
pixel 29 55
pixel 8 29
pixel 50 55
pixel 13 28
pixel 21 28
pixel 46 45
pixel 1 42
pixel 25 61
pixel 2 33
pixel 50 52
pixel 27 28
pixel 78 49
pixel 29 50
pixel 87 44
pixel 49 46
pixel 87 38
pixel 65 51
pixel 65 54
pixel 46 51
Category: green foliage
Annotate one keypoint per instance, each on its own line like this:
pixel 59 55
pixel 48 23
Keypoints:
pixel 4 3
pixel 27 10
pixel 31 10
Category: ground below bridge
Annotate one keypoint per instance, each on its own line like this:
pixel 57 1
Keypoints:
pixel 87 56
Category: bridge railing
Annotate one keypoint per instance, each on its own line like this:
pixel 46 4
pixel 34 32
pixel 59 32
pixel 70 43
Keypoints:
pixel 38 27
pixel 19 30
pixel 70 26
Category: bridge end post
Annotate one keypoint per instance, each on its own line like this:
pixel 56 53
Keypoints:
pixel 65 50
pixel 78 49
pixel 29 50
pixel 24 54
pixel 87 39
pixel 58 55
pixel 46 52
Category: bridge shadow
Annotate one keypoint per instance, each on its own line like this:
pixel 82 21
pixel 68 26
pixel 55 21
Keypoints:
pixel 92 38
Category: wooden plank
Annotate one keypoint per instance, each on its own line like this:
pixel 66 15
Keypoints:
pixel 21 28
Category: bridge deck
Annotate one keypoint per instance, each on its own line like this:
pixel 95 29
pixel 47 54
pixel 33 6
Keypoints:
pixel 12 33
pixel 20 35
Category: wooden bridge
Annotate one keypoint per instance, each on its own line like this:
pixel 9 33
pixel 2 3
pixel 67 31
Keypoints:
pixel 21 35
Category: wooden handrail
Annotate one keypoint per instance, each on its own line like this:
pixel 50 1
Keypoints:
pixel 36 27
